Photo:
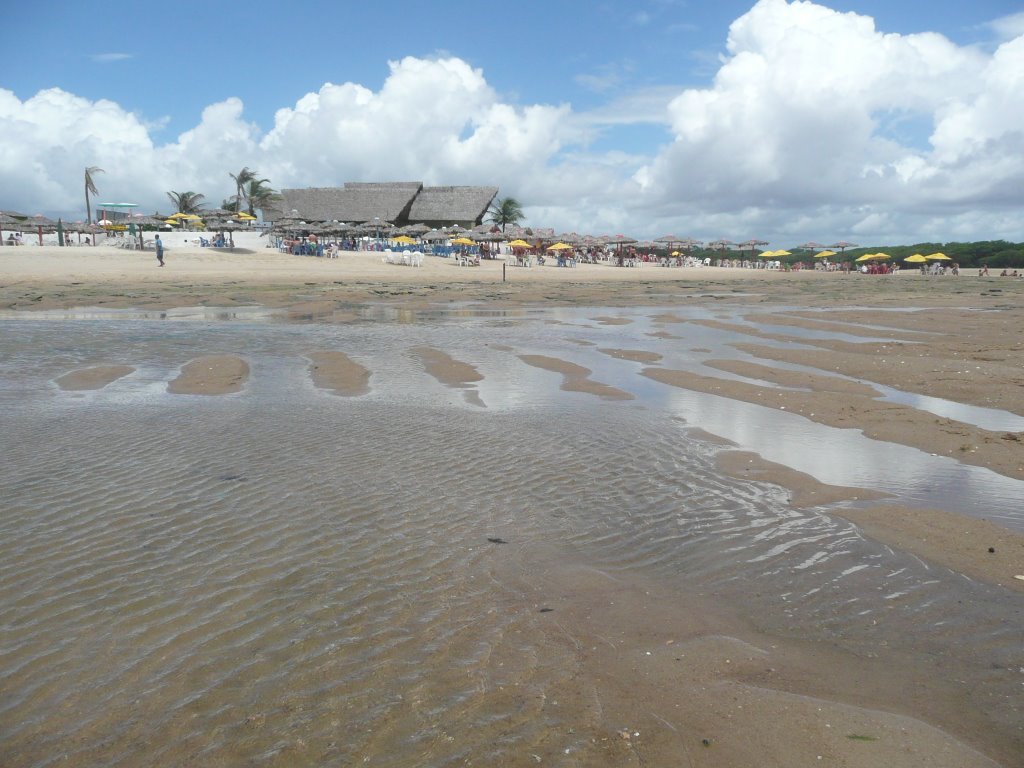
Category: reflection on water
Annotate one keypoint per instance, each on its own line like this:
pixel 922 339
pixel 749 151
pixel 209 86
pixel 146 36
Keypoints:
pixel 285 577
pixel 993 419
pixel 219 314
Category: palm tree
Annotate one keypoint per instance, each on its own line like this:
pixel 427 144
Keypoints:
pixel 187 202
pixel 242 178
pixel 259 194
pixel 230 204
pixel 90 186
pixel 507 211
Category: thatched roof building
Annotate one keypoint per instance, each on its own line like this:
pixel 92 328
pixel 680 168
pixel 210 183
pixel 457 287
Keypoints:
pixel 443 206
pixel 402 203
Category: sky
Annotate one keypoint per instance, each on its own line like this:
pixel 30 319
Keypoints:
pixel 870 121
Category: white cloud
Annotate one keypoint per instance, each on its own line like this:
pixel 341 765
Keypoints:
pixel 105 58
pixel 791 124
pixel 789 141
pixel 1008 27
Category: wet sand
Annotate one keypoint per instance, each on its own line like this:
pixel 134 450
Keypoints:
pixel 575 378
pixel 750 698
pixel 339 373
pixel 211 375
pixel 96 377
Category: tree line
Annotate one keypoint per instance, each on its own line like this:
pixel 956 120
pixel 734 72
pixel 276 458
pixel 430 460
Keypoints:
pixel 981 253
pixel 251 192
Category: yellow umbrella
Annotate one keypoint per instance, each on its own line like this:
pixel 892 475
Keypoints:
pixel 781 253
pixel 191 217
pixel 559 247
pixel 881 256
pixel 675 253
pixel 462 241
pixel 917 258
pixel 178 215
pixel 245 217
pixel 520 244
pixel 824 254
pixel 865 257
pixel 406 240
pixel 768 254
pixel 937 257
pixel 170 221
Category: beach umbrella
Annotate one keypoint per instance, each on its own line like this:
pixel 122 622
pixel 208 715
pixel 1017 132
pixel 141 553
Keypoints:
pixel 881 256
pixel 865 257
pixel 842 245
pixel 783 253
pixel 487 237
pixel 405 240
pixel 824 254
pixel 246 217
pixel 753 244
pixel 462 241
pixel 621 240
pixel 917 258
pixel 769 254
pixel 937 257
pixel 11 220
pixel 559 247
pixel 336 228
pixel 520 244
pixel 434 235
pixel 40 222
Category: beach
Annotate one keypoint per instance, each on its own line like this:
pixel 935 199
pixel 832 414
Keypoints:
pixel 295 510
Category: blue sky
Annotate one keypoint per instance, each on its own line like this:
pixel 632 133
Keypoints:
pixel 602 73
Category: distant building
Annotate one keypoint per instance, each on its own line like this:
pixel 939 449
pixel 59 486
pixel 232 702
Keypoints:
pixel 401 203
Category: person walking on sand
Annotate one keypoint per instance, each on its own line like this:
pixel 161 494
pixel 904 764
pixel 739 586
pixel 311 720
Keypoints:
pixel 159 250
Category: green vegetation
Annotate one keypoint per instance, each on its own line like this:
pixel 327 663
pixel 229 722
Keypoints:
pixel 187 202
pixel 90 186
pixel 242 178
pixel 990 253
pixel 258 194
pixel 506 211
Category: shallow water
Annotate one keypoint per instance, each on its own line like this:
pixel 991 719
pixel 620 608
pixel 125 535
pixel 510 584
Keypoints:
pixel 287 577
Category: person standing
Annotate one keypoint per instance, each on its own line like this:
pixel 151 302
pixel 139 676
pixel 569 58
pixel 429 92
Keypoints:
pixel 159 250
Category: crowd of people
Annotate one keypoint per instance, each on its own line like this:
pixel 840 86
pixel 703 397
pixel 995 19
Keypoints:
pixel 311 245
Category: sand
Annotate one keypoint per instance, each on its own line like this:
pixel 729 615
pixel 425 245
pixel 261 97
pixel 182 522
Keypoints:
pixel 963 344
pixel 337 372
pixel 211 375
